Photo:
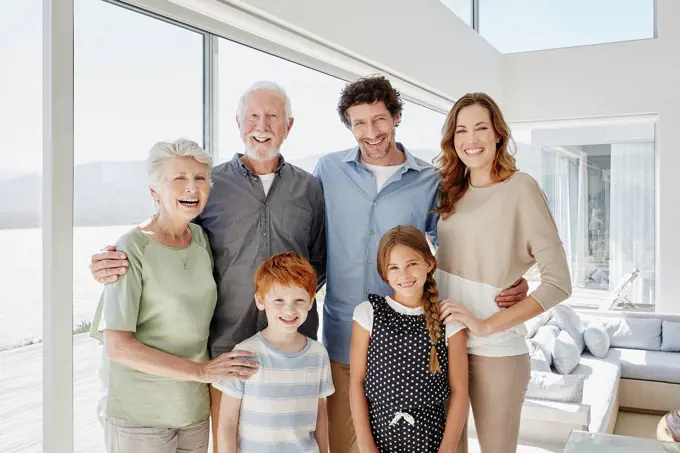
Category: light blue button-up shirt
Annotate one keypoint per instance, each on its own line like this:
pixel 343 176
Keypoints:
pixel 357 216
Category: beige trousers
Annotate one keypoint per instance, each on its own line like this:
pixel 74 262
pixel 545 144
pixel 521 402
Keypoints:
pixel 122 436
pixel 497 387
pixel 341 435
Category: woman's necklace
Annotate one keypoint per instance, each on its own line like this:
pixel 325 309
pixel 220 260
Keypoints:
pixel 182 254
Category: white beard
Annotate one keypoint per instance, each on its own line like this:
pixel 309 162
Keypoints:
pixel 256 156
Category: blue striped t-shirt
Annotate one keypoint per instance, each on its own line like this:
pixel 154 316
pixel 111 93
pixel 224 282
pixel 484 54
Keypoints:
pixel 279 403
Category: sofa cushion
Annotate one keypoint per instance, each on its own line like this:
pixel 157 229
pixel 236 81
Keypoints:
pixel 597 339
pixel 634 333
pixel 600 388
pixel 565 353
pixel 567 319
pixel 649 365
pixel 670 336
pixel 539 361
pixel 536 322
pixel 548 386
pixel 545 337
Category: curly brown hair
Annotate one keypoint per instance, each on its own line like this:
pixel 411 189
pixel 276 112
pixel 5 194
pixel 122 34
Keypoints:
pixel 454 174
pixel 412 238
pixel 368 90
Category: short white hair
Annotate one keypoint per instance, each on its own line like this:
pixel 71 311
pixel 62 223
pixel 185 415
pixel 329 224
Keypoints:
pixel 161 152
pixel 267 86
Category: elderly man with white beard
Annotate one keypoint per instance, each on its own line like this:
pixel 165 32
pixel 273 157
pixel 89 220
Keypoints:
pixel 259 206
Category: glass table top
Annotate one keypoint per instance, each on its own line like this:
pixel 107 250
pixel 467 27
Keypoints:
pixel 585 442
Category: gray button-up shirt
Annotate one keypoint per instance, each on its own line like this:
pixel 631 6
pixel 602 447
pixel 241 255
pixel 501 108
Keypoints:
pixel 245 228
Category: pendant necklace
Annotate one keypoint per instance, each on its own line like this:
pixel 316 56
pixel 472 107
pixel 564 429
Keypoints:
pixel 183 259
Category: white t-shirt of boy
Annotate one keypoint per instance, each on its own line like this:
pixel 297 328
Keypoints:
pixel 286 387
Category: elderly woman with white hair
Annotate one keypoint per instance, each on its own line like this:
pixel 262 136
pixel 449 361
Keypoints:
pixel 155 320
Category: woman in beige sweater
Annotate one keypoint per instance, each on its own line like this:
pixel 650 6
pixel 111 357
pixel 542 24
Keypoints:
pixel 494 225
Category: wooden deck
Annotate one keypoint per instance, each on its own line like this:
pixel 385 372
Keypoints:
pixel 21 398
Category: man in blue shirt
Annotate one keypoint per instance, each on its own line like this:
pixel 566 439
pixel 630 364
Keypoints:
pixel 368 190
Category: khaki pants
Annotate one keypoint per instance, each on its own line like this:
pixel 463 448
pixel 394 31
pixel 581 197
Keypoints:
pixel 341 435
pixel 122 436
pixel 497 387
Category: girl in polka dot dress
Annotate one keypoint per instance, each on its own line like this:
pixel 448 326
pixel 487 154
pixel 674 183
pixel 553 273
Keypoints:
pixel 408 377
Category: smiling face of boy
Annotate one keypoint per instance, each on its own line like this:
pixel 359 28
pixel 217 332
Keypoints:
pixel 286 307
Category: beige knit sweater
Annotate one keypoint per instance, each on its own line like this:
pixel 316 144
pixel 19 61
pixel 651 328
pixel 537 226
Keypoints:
pixel 494 236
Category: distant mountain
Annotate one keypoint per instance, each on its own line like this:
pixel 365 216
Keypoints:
pixel 106 193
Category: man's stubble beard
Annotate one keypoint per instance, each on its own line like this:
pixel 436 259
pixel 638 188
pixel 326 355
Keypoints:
pixel 383 153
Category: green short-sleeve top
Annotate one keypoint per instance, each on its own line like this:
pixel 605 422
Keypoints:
pixel 167 299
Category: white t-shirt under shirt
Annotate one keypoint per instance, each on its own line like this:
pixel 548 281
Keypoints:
pixel 382 173
pixel 267 181
pixel 363 315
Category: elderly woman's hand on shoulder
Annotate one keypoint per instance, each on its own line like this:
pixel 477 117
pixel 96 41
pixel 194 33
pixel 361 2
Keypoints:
pixel 230 365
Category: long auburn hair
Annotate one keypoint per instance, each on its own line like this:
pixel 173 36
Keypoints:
pixel 412 238
pixel 454 174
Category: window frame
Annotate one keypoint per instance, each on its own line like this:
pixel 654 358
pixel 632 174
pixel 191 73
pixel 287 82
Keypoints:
pixel 57 224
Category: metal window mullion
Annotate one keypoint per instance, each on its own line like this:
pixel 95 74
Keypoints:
pixel 57 225
pixel 210 95
pixel 475 15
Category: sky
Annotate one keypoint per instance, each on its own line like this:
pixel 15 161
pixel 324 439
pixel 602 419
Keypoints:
pixel 525 25
pixel 139 80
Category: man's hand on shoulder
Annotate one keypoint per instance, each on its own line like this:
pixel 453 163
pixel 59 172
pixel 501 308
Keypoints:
pixel 513 295
pixel 106 266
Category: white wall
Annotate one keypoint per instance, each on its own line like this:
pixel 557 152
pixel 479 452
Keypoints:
pixel 608 80
pixel 421 39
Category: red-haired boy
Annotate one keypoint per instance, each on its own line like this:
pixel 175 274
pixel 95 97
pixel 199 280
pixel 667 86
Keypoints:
pixel 282 406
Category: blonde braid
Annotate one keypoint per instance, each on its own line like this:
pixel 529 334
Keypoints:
pixel 430 307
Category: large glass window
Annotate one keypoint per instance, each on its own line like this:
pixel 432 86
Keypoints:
pixel 526 25
pixel 20 225
pixel 600 187
pixel 314 95
pixel 421 130
pixel 138 80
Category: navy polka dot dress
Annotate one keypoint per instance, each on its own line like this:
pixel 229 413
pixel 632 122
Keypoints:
pixel 406 403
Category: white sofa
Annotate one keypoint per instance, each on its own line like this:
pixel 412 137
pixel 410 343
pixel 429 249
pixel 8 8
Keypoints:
pixel 636 374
